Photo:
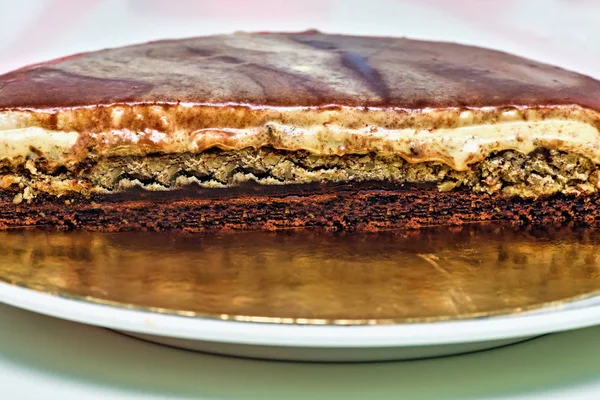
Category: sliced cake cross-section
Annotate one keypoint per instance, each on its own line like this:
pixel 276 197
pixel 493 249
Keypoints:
pixel 281 130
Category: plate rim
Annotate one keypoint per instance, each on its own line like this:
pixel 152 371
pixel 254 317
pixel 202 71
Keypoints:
pixel 267 334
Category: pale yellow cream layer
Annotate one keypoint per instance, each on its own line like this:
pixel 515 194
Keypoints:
pixel 458 147
pixel 21 143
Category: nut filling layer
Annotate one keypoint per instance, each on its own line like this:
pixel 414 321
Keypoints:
pixel 540 173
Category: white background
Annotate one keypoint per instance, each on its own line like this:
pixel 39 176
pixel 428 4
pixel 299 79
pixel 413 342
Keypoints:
pixel 563 32
pixel 44 358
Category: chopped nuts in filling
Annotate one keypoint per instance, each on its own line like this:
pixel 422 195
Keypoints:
pixel 540 173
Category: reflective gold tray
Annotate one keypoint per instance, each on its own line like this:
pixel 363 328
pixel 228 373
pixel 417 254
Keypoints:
pixel 311 276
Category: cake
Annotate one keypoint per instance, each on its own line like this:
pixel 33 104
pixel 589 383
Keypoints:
pixel 263 131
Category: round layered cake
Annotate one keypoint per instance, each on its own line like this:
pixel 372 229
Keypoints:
pixel 281 130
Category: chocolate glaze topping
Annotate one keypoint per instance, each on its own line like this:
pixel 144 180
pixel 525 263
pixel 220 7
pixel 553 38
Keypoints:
pixel 297 69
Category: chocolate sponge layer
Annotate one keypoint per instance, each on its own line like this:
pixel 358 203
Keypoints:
pixel 368 206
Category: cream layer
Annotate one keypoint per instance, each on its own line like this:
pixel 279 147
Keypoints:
pixel 459 146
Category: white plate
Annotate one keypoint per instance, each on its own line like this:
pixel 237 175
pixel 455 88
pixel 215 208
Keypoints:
pixel 310 342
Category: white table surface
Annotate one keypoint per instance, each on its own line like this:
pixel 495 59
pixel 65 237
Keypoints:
pixel 46 358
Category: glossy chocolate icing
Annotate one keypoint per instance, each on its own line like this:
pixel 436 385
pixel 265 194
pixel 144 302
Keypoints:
pixel 297 69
